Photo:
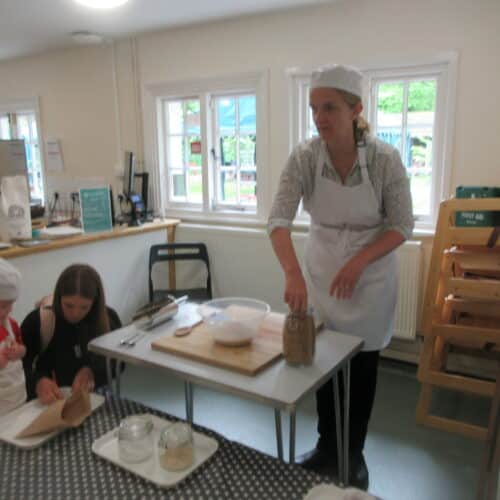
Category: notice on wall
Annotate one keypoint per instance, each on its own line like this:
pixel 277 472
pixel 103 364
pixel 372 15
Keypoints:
pixel 54 156
pixel 95 209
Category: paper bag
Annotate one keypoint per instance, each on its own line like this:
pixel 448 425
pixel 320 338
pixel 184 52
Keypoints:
pixel 60 415
pixel 15 213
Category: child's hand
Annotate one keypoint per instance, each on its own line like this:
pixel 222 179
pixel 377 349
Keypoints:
pixel 3 359
pixel 15 351
pixel 84 379
pixel 48 391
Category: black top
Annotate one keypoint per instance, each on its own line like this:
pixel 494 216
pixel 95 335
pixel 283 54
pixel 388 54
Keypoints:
pixel 66 353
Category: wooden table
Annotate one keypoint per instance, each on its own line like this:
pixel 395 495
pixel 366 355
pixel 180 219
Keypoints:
pixel 280 386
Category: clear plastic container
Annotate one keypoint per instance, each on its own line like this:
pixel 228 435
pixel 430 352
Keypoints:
pixel 135 438
pixel 176 447
pixel 233 321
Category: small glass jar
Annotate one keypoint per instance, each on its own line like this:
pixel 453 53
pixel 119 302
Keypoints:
pixel 175 447
pixel 135 438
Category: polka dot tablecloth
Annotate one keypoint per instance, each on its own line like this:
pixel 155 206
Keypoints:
pixel 66 468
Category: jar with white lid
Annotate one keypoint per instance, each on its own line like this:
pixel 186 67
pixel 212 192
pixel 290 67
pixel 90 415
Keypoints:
pixel 135 438
pixel 175 447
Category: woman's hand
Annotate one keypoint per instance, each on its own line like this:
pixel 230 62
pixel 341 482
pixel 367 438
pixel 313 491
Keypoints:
pixel 84 379
pixel 345 282
pixel 15 351
pixel 296 291
pixel 48 391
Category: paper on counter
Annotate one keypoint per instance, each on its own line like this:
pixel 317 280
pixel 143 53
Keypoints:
pixel 70 412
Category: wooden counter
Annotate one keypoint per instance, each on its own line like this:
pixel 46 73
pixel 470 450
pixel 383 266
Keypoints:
pixel 119 263
pixel 84 238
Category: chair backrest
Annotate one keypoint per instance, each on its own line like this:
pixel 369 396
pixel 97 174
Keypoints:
pixel 171 252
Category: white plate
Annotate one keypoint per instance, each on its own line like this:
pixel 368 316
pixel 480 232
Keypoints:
pixel 15 421
pixel 107 447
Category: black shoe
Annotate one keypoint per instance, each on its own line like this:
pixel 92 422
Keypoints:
pixel 320 461
pixel 358 472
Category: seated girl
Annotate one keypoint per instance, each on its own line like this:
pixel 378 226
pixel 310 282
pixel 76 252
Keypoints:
pixel 79 314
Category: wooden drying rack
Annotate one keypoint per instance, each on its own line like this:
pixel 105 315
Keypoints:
pixel 461 310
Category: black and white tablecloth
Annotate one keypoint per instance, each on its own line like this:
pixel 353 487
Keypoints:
pixel 66 468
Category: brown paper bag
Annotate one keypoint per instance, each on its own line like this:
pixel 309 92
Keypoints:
pixel 70 412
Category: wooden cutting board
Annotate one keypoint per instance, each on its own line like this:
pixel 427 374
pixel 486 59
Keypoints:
pixel 265 349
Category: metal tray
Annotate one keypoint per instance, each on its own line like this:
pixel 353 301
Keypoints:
pixel 16 420
pixel 107 447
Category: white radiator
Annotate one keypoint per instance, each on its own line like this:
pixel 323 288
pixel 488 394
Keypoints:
pixel 410 272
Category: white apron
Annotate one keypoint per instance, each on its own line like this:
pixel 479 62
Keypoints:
pixel 12 384
pixel 344 219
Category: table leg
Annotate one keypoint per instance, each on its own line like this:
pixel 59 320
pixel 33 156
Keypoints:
pixel 279 434
pixel 118 377
pixel 188 396
pixel 292 437
pixel 346 370
pixel 338 427
pixel 108 375
pixel 171 264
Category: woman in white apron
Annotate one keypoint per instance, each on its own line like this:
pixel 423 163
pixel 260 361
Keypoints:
pixel 12 384
pixel 357 194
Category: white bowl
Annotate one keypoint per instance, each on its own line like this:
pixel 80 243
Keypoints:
pixel 233 321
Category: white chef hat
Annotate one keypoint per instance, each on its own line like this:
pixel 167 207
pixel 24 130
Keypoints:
pixel 10 281
pixel 339 77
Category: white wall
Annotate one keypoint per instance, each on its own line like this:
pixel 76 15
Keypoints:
pixel 76 90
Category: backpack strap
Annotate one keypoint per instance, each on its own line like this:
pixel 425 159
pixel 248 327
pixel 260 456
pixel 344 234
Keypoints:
pixel 47 322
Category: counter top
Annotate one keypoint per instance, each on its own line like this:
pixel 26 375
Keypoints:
pixel 85 238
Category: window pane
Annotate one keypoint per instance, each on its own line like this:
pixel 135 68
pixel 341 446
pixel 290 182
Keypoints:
pixel 421 113
pixel 175 157
pixel 193 117
pixel 4 127
pixel 194 185
pixel 228 150
pixel 248 114
pixel 175 117
pixel 178 185
pixel 23 130
pixel 226 110
pixel 390 113
pixel 228 185
pixel 194 150
pixel 248 186
pixel 247 150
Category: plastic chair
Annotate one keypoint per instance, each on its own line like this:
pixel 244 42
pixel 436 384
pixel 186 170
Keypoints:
pixel 179 252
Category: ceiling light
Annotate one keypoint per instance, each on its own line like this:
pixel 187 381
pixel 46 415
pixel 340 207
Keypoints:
pixel 101 4
pixel 86 37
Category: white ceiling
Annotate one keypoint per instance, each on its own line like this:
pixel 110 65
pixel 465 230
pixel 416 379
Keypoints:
pixel 33 26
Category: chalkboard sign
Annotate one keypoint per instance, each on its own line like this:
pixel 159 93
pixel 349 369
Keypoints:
pixel 96 209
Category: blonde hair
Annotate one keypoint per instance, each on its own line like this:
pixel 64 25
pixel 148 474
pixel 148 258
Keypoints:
pixel 360 126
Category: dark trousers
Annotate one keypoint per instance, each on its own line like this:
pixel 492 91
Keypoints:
pixel 362 394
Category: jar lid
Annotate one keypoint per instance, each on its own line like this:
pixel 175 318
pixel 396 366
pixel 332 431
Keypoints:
pixel 135 426
pixel 176 435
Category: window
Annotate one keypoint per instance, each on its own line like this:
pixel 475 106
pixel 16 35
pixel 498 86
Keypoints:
pixel 208 161
pixel 21 123
pixel 410 108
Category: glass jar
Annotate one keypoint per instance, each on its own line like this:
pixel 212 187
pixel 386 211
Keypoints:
pixel 135 438
pixel 175 447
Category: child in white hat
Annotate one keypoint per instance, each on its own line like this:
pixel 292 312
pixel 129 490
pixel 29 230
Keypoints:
pixel 12 384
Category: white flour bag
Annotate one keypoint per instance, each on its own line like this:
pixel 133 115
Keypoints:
pixel 15 216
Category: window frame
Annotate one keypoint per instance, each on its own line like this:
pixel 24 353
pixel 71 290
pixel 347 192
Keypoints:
pixel 443 67
pixel 155 147
pixel 29 106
